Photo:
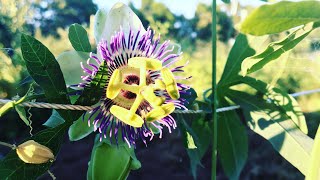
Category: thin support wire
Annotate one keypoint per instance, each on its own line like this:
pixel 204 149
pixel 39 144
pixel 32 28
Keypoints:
pixel 88 108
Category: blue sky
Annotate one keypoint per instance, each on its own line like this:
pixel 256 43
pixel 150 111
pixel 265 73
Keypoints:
pixel 177 7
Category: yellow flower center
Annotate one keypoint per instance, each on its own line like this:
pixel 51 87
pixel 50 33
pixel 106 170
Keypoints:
pixel 142 91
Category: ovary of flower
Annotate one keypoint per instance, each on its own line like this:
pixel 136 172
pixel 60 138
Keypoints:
pixel 116 84
pixel 143 91
pixel 148 94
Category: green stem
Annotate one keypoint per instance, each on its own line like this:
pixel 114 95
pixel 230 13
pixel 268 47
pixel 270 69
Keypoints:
pixel 12 146
pixel 214 89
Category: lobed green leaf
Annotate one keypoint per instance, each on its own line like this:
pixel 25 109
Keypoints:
pixel 283 101
pixel 243 47
pixel 275 50
pixel 314 165
pixel 232 142
pixel 281 16
pixel 275 126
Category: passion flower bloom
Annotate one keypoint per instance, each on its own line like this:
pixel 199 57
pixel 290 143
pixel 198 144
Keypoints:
pixel 141 90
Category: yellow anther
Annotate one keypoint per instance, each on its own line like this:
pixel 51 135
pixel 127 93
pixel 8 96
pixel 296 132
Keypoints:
pixel 127 116
pixel 113 88
pixel 171 85
pixel 159 85
pixel 160 112
pixel 155 114
pixel 34 153
pixel 168 108
pixel 148 94
pixel 150 63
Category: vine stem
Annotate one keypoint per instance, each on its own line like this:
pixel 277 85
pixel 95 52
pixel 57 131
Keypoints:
pixel 214 90
pixel 12 146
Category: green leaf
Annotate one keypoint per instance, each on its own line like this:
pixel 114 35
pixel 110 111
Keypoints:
pixel 226 1
pixel 200 131
pixel 54 120
pixel 44 69
pixel 278 17
pixel 110 162
pixel 243 47
pixel 70 65
pixel 22 114
pixel 80 129
pixel 283 101
pixel 266 120
pixel 11 167
pixel 96 144
pixel 274 50
pixel 232 142
pixel 135 163
pixel 78 37
pixel 314 165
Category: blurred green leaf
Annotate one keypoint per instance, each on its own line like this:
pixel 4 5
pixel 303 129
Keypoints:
pixel 314 165
pixel 54 120
pixel 11 167
pixel 78 37
pixel 226 1
pixel 22 114
pixel 283 101
pixel 199 131
pixel 281 16
pixel 80 129
pixel 232 142
pixel 243 47
pixel 110 162
pixel 266 120
pixel 274 50
pixel 70 65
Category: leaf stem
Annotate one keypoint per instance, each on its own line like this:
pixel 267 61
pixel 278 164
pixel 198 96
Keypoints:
pixel 214 89
pixel 12 146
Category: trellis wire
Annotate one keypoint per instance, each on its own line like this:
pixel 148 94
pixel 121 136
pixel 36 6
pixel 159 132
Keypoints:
pixel 88 108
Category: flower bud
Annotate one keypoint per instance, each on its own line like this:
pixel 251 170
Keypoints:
pixel 34 153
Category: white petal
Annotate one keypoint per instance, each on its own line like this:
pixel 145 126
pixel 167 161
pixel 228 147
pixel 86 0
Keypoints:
pixel 120 15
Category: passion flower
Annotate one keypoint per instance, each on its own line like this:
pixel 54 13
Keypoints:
pixel 141 90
